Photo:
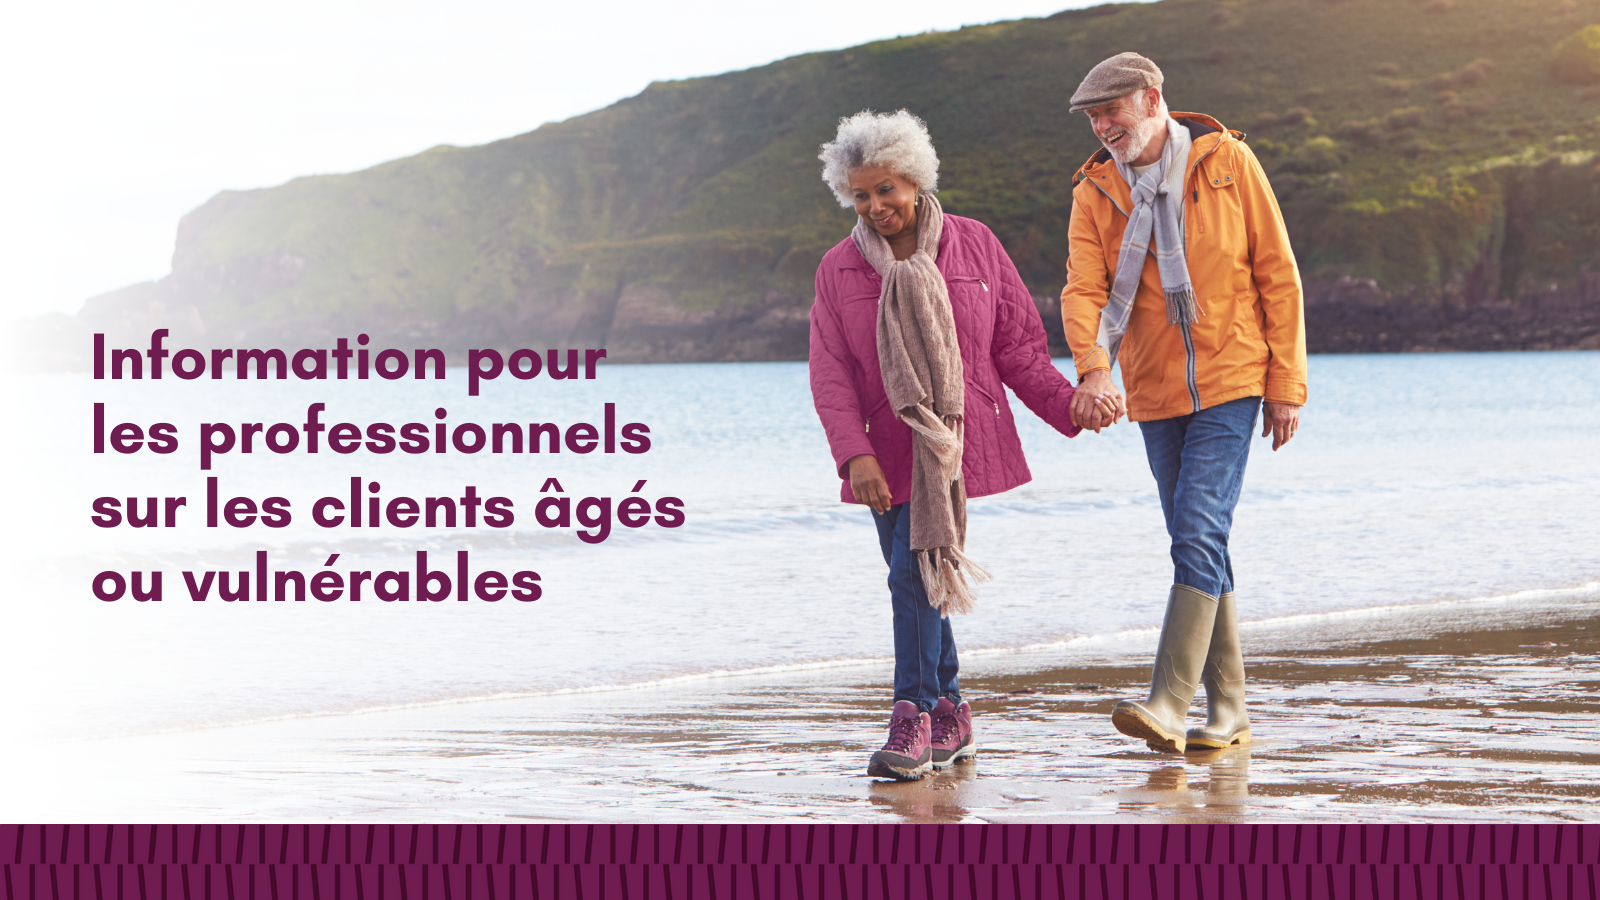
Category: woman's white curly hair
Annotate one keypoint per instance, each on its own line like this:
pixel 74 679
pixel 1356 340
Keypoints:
pixel 897 140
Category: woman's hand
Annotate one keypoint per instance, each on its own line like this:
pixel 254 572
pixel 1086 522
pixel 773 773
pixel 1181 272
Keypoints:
pixel 1097 402
pixel 868 484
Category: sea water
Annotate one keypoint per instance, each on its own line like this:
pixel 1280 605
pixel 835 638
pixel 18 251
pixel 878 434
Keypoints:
pixel 1414 479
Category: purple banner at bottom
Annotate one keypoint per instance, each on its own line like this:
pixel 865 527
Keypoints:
pixel 777 862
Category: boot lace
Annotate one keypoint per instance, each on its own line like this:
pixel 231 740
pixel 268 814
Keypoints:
pixel 944 728
pixel 902 734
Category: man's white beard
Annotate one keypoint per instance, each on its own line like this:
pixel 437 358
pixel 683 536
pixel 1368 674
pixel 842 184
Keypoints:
pixel 1138 138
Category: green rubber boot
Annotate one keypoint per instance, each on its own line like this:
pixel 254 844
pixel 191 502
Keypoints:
pixel 1227 722
pixel 1180 656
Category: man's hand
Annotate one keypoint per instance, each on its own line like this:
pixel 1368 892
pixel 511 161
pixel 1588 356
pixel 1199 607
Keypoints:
pixel 1097 402
pixel 1281 420
pixel 868 484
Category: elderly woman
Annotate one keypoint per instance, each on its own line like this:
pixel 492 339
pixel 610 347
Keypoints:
pixel 919 324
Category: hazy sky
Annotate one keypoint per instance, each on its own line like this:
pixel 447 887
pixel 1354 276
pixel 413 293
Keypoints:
pixel 121 117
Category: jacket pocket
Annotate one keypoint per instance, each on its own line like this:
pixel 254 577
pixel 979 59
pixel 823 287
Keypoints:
pixel 985 396
pixel 978 280
pixel 1218 208
pixel 1246 327
pixel 880 411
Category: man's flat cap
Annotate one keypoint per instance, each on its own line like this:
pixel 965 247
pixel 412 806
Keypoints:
pixel 1116 77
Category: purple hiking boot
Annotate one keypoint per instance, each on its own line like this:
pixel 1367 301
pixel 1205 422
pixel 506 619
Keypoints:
pixel 952 733
pixel 907 755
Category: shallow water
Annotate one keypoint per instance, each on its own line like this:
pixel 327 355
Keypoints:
pixel 1414 479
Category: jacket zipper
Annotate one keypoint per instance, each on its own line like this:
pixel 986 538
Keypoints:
pixel 1188 349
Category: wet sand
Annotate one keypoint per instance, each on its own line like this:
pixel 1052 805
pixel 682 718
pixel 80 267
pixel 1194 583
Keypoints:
pixel 1456 712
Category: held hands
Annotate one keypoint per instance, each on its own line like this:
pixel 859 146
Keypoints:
pixel 1281 420
pixel 1097 402
pixel 868 484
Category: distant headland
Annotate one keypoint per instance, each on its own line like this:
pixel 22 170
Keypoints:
pixel 1436 162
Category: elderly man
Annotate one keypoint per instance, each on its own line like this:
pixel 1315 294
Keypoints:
pixel 1179 268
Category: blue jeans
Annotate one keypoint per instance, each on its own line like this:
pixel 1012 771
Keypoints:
pixel 925 663
pixel 1198 461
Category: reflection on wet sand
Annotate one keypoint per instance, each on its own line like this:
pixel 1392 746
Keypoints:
pixel 1229 784
pixel 1208 784
pixel 1166 787
pixel 946 797
pixel 1487 717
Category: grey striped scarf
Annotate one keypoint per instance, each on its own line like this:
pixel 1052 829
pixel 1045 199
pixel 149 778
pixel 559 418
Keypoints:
pixel 1157 212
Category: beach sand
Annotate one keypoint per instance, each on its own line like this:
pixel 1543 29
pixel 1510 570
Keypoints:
pixel 1474 710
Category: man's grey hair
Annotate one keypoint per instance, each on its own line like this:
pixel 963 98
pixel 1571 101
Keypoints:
pixel 1143 105
pixel 898 141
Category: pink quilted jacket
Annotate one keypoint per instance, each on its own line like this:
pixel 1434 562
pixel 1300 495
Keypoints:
pixel 1002 343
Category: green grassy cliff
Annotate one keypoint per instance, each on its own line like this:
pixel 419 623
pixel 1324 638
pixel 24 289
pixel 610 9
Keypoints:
pixel 1430 157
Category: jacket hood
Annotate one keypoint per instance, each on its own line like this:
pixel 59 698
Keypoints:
pixel 1199 125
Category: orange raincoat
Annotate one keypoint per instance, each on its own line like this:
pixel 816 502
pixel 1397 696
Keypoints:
pixel 1250 339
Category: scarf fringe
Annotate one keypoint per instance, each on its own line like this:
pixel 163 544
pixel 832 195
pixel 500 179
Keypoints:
pixel 945 574
pixel 942 436
pixel 1183 308
pixel 945 432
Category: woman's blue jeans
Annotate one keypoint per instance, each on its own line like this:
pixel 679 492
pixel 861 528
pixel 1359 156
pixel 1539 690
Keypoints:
pixel 1198 461
pixel 925 663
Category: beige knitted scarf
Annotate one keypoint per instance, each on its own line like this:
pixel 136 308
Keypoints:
pixel 921 362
